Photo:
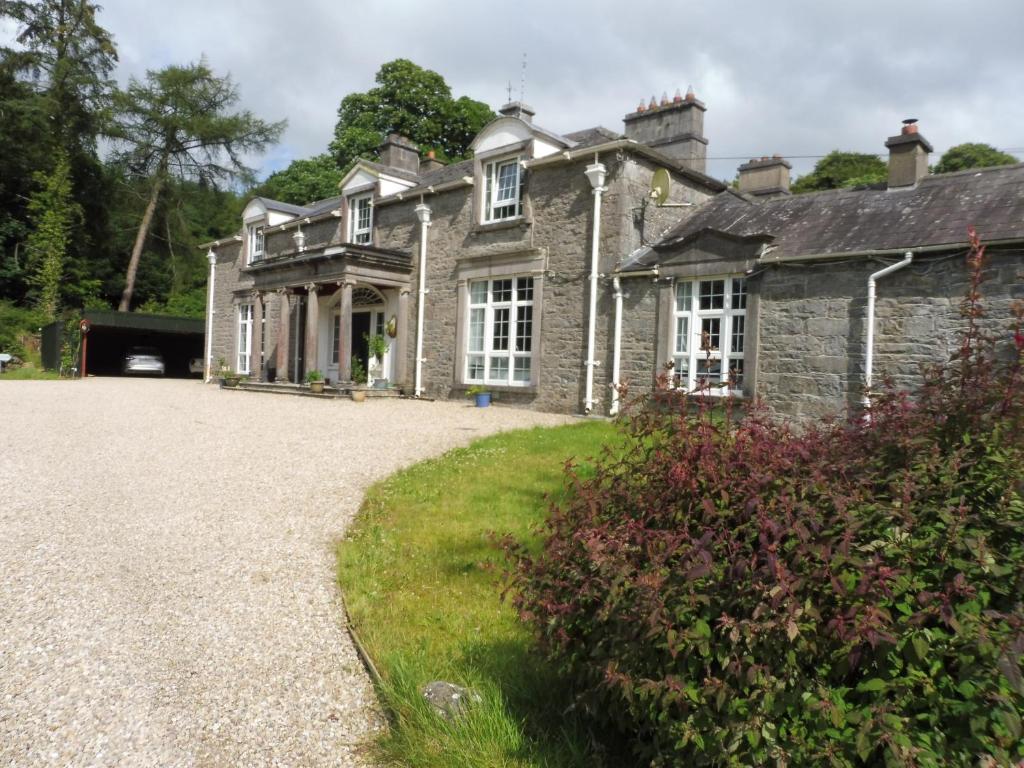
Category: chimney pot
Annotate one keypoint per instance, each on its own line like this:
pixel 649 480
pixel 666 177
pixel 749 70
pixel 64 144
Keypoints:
pixel 678 98
pixel 690 95
pixel 642 107
pixel 664 98
pixel 653 104
pixel 908 156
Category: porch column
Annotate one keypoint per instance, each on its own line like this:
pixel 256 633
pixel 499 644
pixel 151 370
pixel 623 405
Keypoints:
pixel 256 344
pixel 284 310
pixel 345 334
pixel 312 327
pixel 402 339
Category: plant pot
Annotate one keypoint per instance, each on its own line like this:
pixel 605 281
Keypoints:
pixel 380 383
pixel 230 381
pixel 358 395
pixel 316 387
pixel 483 399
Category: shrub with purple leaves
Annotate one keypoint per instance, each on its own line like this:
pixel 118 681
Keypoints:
pixel 730 592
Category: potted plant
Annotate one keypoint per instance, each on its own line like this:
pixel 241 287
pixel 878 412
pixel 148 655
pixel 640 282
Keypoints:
pixel 378 347
pixel 315 379
pixel 358 392
pixel 228 378
pixel 482 395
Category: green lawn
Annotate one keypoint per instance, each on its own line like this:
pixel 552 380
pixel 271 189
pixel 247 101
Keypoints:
pixel 422 581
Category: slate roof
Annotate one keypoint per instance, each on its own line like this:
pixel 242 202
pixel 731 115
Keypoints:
pixel 440 176
pixel 277 205
pixel 591 137
pixel 936 212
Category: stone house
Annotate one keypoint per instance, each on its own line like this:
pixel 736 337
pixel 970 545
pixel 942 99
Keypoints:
pixel 477 273
pixel 784 287
pixel 543 269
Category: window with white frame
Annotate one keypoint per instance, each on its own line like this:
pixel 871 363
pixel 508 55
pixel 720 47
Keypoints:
pixel 244 337
pixel 360 219
pixel 500 333
pixel 709 325
pixel 256 251
pixel 503 190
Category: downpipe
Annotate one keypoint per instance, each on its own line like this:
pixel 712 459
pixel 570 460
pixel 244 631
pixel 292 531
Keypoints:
pixel 595 173
pixel 869 346
pixel 423 213
pixel 616 348
pixel 212 258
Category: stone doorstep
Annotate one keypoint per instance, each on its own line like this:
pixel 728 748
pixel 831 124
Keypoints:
pixel 329 392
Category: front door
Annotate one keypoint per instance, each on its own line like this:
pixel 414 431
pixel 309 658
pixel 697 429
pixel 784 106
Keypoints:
pixel 360 330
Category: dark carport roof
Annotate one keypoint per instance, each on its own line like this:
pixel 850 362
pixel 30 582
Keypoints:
pixel 140 321
pixel 936 212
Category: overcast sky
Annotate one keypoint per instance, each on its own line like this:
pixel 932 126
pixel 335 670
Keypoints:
pixel 794 78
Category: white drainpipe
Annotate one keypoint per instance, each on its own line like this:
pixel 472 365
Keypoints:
pixel 616 353
pixel 869 353
pixel 212 257
pixel 423 213
pixel 617 342
pixel 595 173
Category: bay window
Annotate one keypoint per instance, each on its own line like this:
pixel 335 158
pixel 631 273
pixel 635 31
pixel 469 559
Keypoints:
pixel 500 332
pixel 709 325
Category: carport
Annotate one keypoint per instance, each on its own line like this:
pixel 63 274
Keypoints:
pixel 111 334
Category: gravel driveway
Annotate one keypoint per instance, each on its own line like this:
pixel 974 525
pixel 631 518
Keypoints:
pixel 167 592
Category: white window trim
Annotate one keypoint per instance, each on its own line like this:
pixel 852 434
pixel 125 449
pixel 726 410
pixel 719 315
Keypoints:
pixel 244 317
pixel 488 352
pixel 257 237
pixel 694 315
pixel 489 190
pixel 355 232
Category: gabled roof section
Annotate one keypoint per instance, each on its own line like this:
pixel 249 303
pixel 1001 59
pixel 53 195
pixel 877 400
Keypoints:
pixel 935 213
pixel 378 170
pixel 277 205
pixel 505 130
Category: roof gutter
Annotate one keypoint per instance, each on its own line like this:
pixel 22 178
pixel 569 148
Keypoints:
pixel 433 189
pixel 219 243
pixel 888 251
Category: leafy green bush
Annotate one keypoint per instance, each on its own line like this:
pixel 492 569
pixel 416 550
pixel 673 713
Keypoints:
pixel 734 594
pixel 15 324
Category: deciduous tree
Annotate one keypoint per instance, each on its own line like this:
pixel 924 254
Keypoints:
pixel 52 215
pixel 842 169
pixel 303 181
pixel 970 155
pixel 414 102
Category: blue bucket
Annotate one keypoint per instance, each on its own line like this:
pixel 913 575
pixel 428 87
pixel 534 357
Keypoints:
pixel 483 399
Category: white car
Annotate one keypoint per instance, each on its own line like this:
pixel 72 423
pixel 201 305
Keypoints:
pixel 143 360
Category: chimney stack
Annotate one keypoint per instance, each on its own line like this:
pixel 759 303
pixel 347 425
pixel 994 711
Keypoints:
pixel 673 127
pixel 398 152
pixel 518 109
pixel 430 163
pixel 908 156
pixel 765 178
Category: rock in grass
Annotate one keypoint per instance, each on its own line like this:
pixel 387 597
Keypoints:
pixel 449 700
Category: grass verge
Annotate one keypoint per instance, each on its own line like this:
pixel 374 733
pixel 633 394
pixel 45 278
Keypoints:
pixel 422 580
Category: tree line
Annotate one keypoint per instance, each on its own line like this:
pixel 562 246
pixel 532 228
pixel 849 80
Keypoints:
pixel 106 191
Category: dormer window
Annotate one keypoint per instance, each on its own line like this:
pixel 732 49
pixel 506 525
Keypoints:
pixel 255 243
pixel 503 190
pixel 360 218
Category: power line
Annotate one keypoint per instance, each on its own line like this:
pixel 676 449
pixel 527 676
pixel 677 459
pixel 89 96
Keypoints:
pixel 786 156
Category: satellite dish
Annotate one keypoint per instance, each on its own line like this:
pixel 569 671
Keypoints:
pixel 660 184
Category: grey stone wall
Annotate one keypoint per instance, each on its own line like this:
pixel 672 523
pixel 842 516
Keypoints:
pixel 558 219
pixel 229 282
pixel 812 327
